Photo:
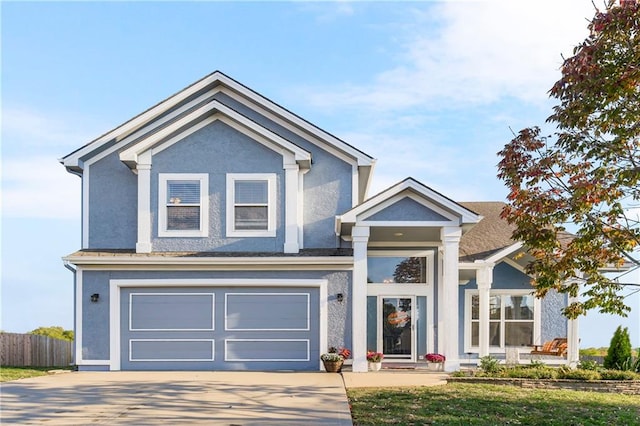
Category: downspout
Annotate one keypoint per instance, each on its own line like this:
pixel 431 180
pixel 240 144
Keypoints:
pixel 73 271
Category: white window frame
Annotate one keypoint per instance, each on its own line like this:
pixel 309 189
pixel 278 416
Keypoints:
pixel 163 179
pixel 537 314
pixel 270 178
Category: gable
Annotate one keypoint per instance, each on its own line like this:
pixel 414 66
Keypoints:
pixel 407 209
pixel 186 108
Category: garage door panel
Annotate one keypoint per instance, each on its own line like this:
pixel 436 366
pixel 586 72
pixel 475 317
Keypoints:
pixel 267 350
pixel 220 328
pixel 267 311
pixel 171 311
pixel 171 350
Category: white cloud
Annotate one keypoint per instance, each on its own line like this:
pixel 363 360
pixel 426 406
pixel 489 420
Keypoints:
pixel 457 53
pixel 26 128
pixel 39 187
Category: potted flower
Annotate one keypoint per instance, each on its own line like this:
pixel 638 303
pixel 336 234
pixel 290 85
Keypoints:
pixel 375 360
pixel 334 359
pixel 435 361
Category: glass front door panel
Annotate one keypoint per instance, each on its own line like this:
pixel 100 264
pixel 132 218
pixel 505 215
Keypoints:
pixel 397 327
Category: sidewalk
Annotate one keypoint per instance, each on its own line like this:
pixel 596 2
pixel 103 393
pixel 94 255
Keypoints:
pixel 393 378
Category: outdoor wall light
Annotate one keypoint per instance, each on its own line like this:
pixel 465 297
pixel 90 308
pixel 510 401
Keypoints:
pixel 340 297
pixel 95 297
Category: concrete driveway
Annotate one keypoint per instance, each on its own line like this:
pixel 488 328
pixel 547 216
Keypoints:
pixel 144 398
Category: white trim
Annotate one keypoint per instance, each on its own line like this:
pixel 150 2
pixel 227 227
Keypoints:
pixel 213 352
pixel 217 111
pixel 407 223
pixel 308 358
pixel 115 286
pixel 448 310
pixel 270 110
pixel 300 208
pixel 291 215
pixel 212 263
pixel 78 325
pixel 494 258
pixel 537 316
pixel 203 178
pixel 213 311
pixel 141 121
pixel 272 210
pixel 307 317
pixel 355 183
pixel 143 245
pixel 95 362
pixel 360 236
pixel 385 198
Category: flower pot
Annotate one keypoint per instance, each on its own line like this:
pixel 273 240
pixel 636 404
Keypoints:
pixel 435 366
pixel 333 366
pixel 375 366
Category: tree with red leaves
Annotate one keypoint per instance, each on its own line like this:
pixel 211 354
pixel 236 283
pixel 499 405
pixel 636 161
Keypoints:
pixel 587 173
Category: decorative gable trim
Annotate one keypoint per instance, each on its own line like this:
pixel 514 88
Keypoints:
pixel 203 116
pixel 211 84
pixel 417 192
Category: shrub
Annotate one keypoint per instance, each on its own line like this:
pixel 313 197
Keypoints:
pixel 588 365
pixel 619 350
pixel 619 375
pixel 489 364
pixel 535 363
pixel 578 374
pixel 532 373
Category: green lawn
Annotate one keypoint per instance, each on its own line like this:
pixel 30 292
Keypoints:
pixel 475 404
pixel 15 373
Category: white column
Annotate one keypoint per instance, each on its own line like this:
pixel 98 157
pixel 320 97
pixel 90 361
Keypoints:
pixel 484 279
pixel 291 182
pixel 573 339
pixel 144 203
pixel 448 311
pixel 360 235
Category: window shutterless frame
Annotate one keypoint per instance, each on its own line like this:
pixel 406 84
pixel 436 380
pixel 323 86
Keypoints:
pixel 251 205
pixel 183 205
pixel 500 319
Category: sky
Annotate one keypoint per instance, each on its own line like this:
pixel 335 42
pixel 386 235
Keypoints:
pixel 433 90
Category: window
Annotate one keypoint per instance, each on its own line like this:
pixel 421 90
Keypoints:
pixel 183 205
pixel 512 319
pixel 396 269
pixel 251 200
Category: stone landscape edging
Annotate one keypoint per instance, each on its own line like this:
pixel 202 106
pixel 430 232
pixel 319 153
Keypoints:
pixel 627 387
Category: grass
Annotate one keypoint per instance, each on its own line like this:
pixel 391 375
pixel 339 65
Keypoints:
pixel 474 404
pixel 14 373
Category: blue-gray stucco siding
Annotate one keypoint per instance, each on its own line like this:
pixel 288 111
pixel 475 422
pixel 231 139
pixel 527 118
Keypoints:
pixel 113 210
pixel 407 209
pixel 327 186
pixel 218 149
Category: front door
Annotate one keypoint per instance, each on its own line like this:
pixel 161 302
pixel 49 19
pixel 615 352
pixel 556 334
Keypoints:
pixel 396 328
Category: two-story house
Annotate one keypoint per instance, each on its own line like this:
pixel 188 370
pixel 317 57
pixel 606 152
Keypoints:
pixel 221 231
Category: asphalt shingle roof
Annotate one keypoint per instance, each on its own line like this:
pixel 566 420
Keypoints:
pixel 489 236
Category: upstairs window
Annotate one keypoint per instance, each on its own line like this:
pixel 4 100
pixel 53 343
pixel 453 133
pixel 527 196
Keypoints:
pixel 251 206
pixel 183 205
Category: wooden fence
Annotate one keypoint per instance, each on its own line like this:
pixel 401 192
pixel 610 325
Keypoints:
pixel 30 350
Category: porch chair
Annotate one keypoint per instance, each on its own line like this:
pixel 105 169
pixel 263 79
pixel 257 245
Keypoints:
pixel 555 347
